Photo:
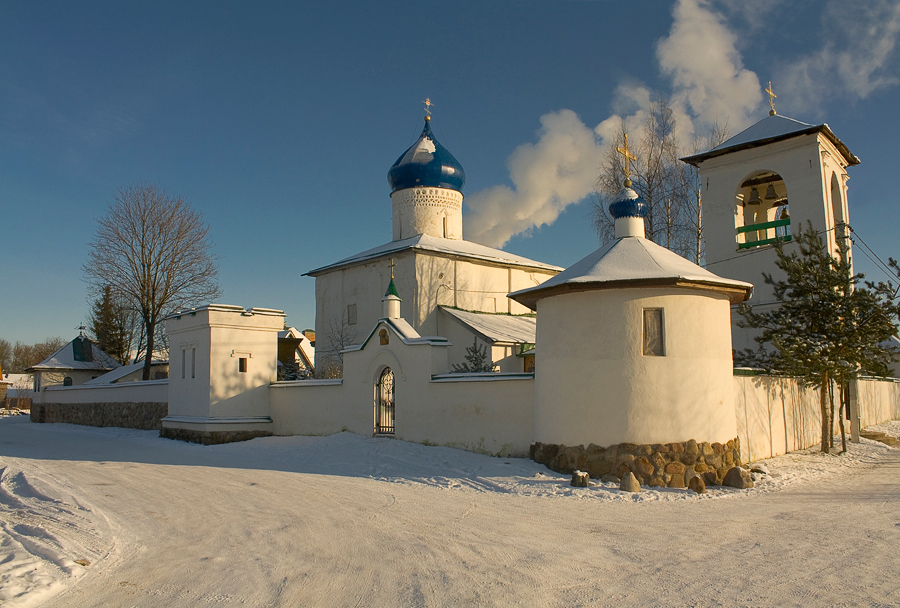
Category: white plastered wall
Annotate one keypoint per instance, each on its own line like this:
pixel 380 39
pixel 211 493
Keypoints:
pixel 806 164
pixel 222 335
pixel 424 280
pixel 594 385
pixel 492 415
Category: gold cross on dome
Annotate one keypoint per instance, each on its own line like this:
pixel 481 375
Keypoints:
pixel 628 157
pixel 428 105
pixel 772 97
pixel 392 268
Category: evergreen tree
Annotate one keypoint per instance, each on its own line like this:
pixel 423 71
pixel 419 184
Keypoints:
pixel 477 360
pixel 109 326
pixel 827 328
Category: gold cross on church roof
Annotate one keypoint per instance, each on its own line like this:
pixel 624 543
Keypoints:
pixel 772 97
pixel 628 157
pixel 428 105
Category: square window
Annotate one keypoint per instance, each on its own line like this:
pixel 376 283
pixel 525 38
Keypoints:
pixel 654 339
pixel 242 364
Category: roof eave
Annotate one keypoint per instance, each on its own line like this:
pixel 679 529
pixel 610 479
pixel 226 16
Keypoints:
pixel 736 293
pixel 851 159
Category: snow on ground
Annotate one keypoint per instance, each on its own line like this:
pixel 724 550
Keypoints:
pixel 347 519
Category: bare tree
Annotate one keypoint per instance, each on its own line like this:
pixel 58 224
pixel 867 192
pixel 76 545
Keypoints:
pixel 670 188
pixel 154 252
pixel 339 335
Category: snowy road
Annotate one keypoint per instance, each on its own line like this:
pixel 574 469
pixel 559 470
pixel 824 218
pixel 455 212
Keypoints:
pixel 351 521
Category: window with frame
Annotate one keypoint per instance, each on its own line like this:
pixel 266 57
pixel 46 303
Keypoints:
pixel 242 364
pixel 351 314
pixel 654 335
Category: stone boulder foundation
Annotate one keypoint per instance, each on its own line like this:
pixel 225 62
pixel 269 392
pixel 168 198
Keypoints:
pixel 669 465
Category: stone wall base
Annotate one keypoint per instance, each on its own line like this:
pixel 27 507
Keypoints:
pixel 657 464
pixel 146 416
pixel 210 437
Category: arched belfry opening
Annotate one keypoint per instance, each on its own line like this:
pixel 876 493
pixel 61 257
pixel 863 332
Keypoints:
pixel 838 211
pixel 761 210
pixel 384 402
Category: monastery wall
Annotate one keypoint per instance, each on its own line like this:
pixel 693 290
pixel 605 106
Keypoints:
pixel 137 405
pixel 775 415
pixel 491 414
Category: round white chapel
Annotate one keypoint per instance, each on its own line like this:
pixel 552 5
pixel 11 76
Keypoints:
pixel 634 344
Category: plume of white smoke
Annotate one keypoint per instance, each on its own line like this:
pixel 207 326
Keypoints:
pixel 708 77
pixel 560 169
pixel 860 42
pixel 557 171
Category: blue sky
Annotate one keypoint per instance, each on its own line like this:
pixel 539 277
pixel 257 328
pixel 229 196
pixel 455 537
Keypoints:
pixel 280 120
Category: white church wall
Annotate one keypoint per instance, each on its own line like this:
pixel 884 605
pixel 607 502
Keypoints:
pixel 776 415
pixel 362 287
pixel 223 359
pixel 878 400
pixel 156 391
pixel 491 414
pixel 596 386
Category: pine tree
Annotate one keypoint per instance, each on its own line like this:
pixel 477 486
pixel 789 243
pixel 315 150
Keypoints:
pixel 109 326
pixel 477 360
pixel 827 328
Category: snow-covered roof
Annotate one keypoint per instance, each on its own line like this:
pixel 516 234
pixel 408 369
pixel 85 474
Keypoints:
pixel 406 332
pixel 120 372
pixel 517 329
pixel 309 352
pixel 632 262
pixel 450 247
pixel 66 358
pixel 771 129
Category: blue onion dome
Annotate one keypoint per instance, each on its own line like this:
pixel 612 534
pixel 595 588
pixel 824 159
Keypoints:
pixel 426 163
pixel 628 203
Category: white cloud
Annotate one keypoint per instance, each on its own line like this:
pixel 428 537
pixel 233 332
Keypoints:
pixel 547 176
pixel 857 57
pixel 709 82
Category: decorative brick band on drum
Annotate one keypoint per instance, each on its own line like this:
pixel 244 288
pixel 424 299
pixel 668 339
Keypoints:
pixel 658 464
pixel 144 415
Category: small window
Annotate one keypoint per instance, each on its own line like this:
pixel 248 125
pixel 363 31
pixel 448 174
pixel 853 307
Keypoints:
pixel 242 364
pixel 351 314
pixel 183 355
pixel 384 337
pixel 654 339
pixel 67 381
pixel 193 363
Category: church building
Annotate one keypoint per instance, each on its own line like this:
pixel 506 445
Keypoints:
pixel 449 286
pixel 620 363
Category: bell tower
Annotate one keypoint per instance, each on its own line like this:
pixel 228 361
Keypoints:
pixel 761 184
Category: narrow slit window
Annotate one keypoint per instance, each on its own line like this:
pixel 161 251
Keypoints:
pixel 183 361
pixel 242 364
pixel 654 338
pixel 193 363
pixel 351 314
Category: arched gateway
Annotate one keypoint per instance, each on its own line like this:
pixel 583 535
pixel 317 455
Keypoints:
pixel 384 403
